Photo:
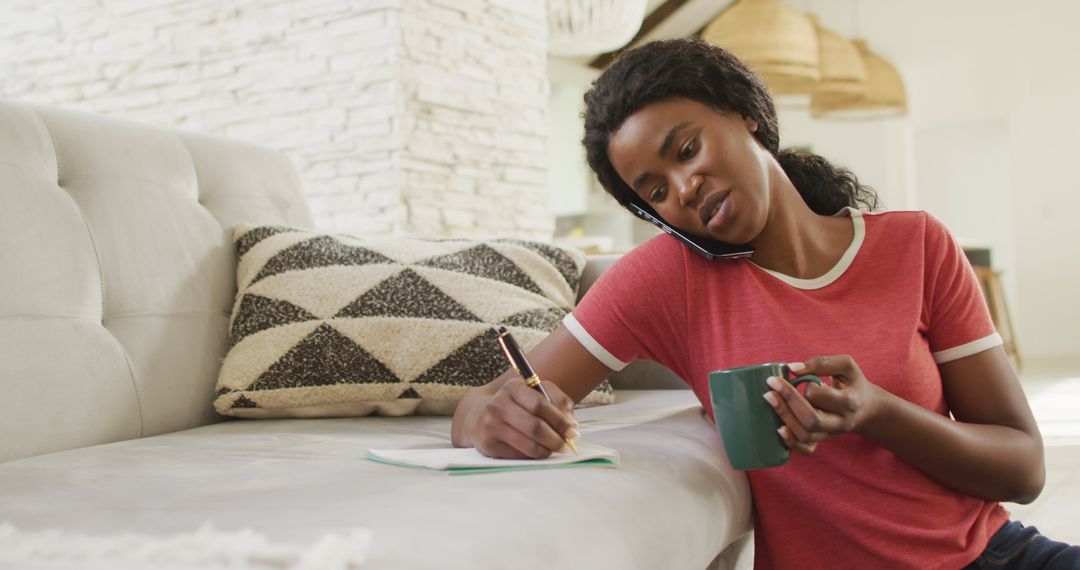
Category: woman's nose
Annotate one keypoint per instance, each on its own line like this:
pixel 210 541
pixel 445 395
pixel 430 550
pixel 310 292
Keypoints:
pixel 688 189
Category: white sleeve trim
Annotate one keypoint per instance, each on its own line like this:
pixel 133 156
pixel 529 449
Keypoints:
pixel 591 345
pixel 973 347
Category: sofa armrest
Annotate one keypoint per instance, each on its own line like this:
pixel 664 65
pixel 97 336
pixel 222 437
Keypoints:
pixel 640 374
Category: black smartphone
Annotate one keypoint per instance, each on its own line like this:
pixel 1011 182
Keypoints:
pixel 710 248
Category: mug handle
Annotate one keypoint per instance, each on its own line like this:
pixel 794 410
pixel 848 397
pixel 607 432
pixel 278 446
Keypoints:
pixel 800 379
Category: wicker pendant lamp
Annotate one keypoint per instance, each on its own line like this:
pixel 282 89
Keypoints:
pixel 590 27
pixel 843 73
pixel 885 96
pixel 778 42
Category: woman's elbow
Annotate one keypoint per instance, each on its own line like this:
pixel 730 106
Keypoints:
pixel 1030 485
pixel 1032 478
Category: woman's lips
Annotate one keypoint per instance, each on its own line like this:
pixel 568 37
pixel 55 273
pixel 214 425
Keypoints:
pixel 714 209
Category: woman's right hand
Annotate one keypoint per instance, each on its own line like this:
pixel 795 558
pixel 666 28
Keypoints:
pixel 518 422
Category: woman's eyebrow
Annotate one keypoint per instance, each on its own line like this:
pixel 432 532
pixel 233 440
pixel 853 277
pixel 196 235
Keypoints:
pixel 671 137
pixel 639 180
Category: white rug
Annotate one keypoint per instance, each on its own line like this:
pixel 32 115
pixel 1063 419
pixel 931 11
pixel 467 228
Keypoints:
pixel 206 548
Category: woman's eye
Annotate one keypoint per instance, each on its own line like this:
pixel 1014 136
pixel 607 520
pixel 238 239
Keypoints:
pixel 688 149
pixel 657 194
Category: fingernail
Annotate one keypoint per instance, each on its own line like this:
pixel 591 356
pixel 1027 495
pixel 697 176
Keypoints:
pixel 781 431
pixel 796 366
pixel 771 398
pixel 572 434
pixel 774 382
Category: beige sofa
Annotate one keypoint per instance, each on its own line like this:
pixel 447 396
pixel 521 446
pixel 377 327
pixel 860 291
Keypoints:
pixel 117 275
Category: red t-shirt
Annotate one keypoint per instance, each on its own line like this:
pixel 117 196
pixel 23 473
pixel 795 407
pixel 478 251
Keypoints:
pixel 902 299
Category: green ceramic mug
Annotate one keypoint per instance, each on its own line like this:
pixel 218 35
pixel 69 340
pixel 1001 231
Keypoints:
pixel 746 421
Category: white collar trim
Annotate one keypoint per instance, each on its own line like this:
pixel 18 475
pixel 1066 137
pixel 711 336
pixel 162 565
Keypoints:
pixel 840 267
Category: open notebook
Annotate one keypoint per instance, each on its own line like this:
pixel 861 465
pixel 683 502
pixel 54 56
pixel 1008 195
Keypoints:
pixel 462 461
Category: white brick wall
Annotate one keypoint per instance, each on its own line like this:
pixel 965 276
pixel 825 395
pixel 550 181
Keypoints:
pixel 422 117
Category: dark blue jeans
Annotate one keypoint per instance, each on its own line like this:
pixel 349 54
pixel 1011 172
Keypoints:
pixel 1016 546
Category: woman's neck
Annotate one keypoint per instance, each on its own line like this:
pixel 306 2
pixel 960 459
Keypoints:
pixel 798 242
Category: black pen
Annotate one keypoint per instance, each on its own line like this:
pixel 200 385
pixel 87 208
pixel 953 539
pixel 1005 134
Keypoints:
pixel 521 365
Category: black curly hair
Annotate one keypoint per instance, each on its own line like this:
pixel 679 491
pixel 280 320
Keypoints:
pixel 700 71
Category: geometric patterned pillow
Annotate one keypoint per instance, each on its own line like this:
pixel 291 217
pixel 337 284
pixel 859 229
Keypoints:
pixel 333 325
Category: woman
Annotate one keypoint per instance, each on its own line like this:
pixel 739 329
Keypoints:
pixel 884 304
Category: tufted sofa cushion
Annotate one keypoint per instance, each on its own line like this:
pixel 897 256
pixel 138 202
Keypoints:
pixel 117 272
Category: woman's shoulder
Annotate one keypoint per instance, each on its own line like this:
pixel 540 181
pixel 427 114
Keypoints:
pixel 659 249
pixel 896 217
pixel 659 258
pixel 896 230
pixel 910 220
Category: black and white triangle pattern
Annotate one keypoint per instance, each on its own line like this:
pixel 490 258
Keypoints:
pixel 333 325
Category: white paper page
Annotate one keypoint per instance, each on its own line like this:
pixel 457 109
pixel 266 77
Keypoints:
pixel 459 458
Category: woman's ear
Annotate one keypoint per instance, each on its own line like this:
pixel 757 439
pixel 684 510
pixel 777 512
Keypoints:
pixel 751 124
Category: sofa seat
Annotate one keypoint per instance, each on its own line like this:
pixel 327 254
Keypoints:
pixel 296 480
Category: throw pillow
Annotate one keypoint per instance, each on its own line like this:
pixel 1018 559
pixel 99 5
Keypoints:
pixel 333 325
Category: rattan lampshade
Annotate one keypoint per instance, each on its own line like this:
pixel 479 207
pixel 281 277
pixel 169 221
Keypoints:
pixel 778 42
pixel 885 96
pixel 843 73
pixel 589 27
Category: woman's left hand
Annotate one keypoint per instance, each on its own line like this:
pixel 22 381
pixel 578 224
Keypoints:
pixel 826 410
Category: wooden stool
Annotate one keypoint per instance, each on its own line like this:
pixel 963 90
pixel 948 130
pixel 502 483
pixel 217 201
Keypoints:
pixel 990 281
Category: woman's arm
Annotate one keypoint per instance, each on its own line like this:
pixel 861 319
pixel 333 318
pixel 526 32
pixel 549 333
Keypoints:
pixel 992 450
pixel 507 419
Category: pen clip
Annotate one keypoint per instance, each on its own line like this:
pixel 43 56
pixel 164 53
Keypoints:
pixel 516 355
pixel 506 350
